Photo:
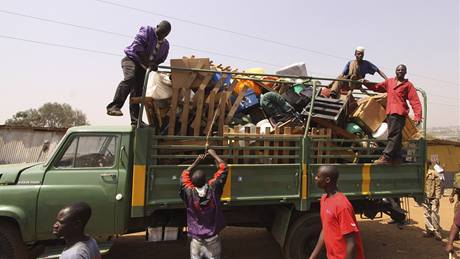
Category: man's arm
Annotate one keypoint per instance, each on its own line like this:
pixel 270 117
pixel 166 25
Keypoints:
pixel 318 247
pixel 351 245
pixel 220 176
pixel 382 74
pixel 415 104
pixel 380 87
pixel 346 69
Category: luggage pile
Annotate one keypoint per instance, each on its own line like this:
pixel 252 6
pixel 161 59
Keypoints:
pixel 202 103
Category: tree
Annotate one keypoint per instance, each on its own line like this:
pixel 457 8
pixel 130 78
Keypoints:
pixel 53 115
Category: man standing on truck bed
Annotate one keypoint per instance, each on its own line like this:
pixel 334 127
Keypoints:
pixel 204 210
pixel 399 90
pixel 340 232
pixel 149 49
pixel 354 70
pixel 70 224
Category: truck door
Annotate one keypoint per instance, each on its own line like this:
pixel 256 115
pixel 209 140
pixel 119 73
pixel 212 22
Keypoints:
pixel 84 170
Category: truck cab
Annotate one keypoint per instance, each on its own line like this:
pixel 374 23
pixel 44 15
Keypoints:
pixel 90 164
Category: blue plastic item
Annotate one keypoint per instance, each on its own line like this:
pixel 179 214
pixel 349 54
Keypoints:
pixel 248 102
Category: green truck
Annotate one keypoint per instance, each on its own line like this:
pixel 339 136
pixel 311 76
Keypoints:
pixel 130 177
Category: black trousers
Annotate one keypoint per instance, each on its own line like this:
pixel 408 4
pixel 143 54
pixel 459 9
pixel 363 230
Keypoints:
pixel 132 84
pixel 395 128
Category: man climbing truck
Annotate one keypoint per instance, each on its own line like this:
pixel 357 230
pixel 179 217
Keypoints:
pixel 130 177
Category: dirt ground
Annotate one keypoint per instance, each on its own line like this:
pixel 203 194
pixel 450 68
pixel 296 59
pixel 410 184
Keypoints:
pixel 380 239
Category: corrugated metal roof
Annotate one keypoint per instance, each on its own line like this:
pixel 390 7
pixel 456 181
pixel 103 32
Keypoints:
pixel 23 145
pixel 32 128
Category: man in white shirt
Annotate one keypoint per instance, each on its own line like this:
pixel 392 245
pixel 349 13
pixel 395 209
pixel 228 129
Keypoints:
pixel 70 225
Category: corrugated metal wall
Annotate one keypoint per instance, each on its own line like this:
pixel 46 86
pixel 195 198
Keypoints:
pixel 23 145
pixel 448 154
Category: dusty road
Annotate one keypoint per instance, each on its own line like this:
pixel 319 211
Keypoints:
pixel 381 240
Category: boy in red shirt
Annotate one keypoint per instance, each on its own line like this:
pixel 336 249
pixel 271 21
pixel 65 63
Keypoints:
pixel 340 231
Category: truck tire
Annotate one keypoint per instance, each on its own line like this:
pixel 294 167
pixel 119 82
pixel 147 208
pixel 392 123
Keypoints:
pixel 11 245
pixel 302 236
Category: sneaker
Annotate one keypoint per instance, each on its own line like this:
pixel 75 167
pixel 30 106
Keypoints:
pixel 143 124
pixel 114 111
pixel 383 161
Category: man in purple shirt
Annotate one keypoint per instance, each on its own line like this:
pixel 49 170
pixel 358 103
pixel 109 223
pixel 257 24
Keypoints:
pixel 205 218
pixel 149 49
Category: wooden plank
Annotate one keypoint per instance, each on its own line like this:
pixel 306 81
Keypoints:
pixel 211 103
pixel 286 143
pixel 247 130
pixel 172 111
pixel 236 143
pixel 223 100
pixel 174 103
pixel 320 146
pixel 267 144
pixel 225 143
pixel 328 144
pixel 185 112
pixel 335 129
pixel 179 77
pixel 235 105
pixel 258 143
pixel 276 144
pixel 196 124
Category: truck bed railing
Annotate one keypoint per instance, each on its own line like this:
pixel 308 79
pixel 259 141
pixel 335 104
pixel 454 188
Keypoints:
pixel 234 148
pixel 323 151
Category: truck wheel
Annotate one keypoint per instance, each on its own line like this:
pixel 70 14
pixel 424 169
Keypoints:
pixel 302 236
pixel 11 245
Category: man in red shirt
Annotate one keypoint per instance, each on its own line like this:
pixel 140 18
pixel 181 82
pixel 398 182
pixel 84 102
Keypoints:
pixel 340 231
pixel 399 90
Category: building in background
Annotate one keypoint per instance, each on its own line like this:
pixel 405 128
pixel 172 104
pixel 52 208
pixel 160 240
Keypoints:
pixel 25 144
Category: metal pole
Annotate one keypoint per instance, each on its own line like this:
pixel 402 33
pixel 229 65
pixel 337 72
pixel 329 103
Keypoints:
pixel 144 90
pixel 425 110
pixel 312 103
pixel 255 74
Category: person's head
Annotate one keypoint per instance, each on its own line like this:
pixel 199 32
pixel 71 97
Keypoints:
pixel 72 219
pixel 428 163
pixel 327 176
pixel 163 29
pixel 401 71
pixel 198 178
pixel 359 53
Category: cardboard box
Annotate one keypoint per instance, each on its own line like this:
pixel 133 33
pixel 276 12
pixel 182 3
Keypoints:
pixel 410 131
pixel 369 115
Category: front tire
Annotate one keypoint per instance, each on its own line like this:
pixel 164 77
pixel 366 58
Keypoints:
pixel 302 237
pixel 11 245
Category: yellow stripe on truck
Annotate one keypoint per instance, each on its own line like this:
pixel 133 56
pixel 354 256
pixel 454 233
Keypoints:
pixel 227 194
pixel 304 181
pixel 138 191
pixel 366 176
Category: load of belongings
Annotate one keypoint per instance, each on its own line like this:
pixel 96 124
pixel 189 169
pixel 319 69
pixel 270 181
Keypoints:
pixel 214 100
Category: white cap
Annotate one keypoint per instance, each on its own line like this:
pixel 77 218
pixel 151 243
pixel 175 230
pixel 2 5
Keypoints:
pixel 360 49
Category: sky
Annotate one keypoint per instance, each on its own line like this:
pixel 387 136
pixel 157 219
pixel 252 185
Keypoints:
pixel 70 51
